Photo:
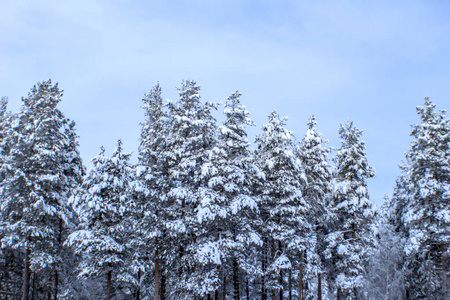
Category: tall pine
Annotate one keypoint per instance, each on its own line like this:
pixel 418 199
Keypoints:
pixel 348 242
pixel 102 205
pixel 5 126
pixel 285 229
pixel 43 166
pixel 314 154
pixel 191 135
pixel 422 205
pixel 5 119
pixel 228 208
pixel 150 190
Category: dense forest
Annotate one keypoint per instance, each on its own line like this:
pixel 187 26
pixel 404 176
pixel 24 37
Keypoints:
pixel 203 215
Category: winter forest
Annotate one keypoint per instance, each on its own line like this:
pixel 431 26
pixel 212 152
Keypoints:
pixel 206 214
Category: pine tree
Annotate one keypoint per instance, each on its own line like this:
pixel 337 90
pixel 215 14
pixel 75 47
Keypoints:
pixel 191 134
pixel 150 188
pixel 73 169
pixel 353 213
pixel 285 229
pixel 422 203
pixel 43 165
pixel 228 208
pixel 9 263
pixel 5 125
pixel 397 221
pixel 318 171
pixel 102 205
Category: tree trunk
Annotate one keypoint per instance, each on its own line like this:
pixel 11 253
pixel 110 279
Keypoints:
pixel 236 286
pixel 138 292
pixel 272 254
pixel 290 284
pixel 281 284
pixel 444 269
pixel 59 249
pixel 263 277
pixel 56 284
pixel 354 237
pixel 34 286
pixel 180 267
pixel 280 248
pixel 108 286
pixel 224 291
pixel 157 273
pixel 300 278
pixel 26 276
pixel 5 276
pixel 319 286
pixel 247 289
pixel 163 285
pixel 305 279
pixel 338 294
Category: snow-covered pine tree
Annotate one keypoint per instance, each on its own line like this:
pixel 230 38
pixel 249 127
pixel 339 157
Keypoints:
pixel 191 135
pixel 73 169
pixel 150 189
pixel 400 201
pixel 314 154
pixel 3 109
pixel 102 206
pixel 396 219
pixel 9 262
pixel 42 168
pixel 422 203
pixel 285 229
pixel 227 210
pixel 348 243
pixel 5 125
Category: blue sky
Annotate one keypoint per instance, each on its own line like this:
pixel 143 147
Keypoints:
pixel 371 62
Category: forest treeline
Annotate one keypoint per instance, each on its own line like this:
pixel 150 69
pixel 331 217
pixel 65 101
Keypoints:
pixel 202 215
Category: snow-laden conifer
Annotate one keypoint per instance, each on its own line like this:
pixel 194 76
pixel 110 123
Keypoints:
pixel 353 213
pixel 285 230
pixel 422 205
pixel 149 190
pixel 191 135
pixel 5 126
pixel 314 154
pixel 43 168
pixel 102 205
pixel 228 209
pixel 10 272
